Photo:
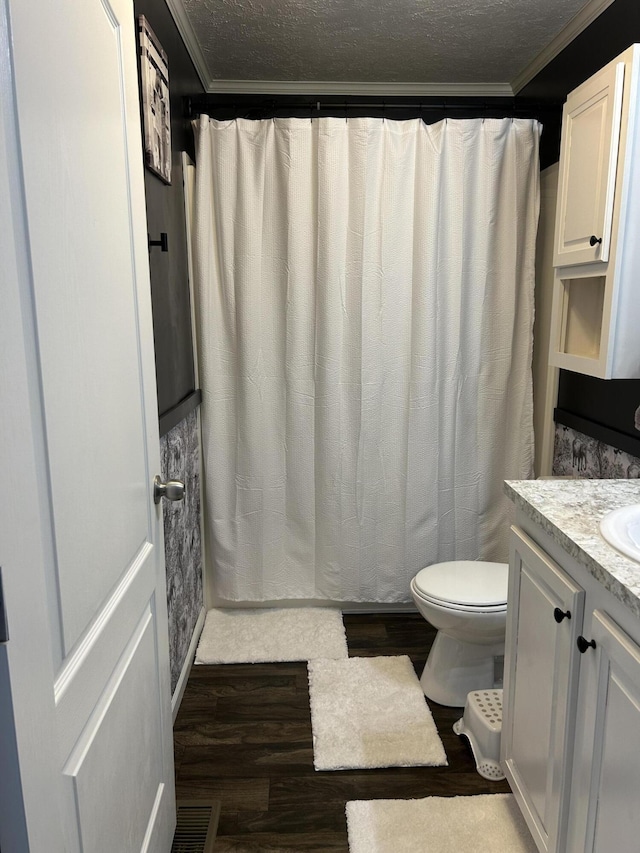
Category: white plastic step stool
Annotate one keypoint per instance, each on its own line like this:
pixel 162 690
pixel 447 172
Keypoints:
pixel 481 724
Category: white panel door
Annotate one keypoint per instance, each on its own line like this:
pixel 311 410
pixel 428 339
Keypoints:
pixel 88 438
pixel 588 160
pixel 545 613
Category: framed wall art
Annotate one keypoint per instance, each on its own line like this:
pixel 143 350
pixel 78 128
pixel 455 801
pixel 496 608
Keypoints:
pixel 154 82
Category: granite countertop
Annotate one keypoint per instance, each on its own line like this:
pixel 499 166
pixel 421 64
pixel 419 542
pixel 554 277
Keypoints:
pixel 570 512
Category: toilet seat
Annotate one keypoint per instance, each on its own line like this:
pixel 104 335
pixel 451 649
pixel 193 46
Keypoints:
pixel 452 605
pixel 464 585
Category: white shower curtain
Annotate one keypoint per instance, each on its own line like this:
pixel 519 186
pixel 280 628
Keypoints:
pixel 365 309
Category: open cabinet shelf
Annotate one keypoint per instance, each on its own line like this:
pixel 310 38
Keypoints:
pixel 583 302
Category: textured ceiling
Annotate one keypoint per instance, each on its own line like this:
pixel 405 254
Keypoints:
pixel 386 41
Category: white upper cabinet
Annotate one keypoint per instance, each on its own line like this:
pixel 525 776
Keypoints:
pixel 596 302
pixel 590 137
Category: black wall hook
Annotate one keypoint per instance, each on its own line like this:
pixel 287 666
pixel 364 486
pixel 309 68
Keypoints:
pixel 163 242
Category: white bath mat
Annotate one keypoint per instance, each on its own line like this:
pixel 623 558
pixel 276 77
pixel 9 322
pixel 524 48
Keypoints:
pixel 370 712
pixel 271 635
pixel 487 823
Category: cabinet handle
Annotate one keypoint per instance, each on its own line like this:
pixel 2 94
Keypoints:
pixel 583 644
pixel 559 615
pixel 593 240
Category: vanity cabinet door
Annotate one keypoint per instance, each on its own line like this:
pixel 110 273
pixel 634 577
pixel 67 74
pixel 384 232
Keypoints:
pixel 544 618
pixel 605 816
pixel 588 162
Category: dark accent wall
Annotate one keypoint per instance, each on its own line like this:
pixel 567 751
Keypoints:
pixel 177 394
pixel 606 37
pixel 429 109
pixel 165 212
pixel 261 106
pixel 606 403
pixel 611 403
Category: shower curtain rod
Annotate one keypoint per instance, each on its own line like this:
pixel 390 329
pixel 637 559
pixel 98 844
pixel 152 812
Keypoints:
pixel 201 104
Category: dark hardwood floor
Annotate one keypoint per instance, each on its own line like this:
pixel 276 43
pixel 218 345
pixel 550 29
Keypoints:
pixel 243 736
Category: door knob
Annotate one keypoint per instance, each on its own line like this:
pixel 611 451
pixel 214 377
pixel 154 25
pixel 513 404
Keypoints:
pixel 172 490
pixel 593 240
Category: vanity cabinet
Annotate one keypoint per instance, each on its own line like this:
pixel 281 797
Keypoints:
pixel 596 303
pixel 606 775
pixel 571 726
pixel 541 679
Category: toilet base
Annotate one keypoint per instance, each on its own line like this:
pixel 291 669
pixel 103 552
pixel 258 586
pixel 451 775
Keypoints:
pixel 455 668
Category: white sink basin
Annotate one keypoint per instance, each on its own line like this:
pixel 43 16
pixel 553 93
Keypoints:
pixel 621 529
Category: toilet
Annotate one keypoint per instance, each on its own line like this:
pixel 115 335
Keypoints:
pixel 466 601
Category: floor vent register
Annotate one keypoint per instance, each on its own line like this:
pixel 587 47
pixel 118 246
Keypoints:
pixel 196 827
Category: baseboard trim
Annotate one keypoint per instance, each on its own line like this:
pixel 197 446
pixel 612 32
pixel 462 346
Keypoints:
pixel 178 693
pixel 373 609
pixel 346 606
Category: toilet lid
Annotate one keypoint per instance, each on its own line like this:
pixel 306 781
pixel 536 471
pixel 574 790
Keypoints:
pixel 465 582
pixel 464 608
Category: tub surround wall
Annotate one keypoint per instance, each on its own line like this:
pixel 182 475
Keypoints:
pixel 579 455
pixel 180 460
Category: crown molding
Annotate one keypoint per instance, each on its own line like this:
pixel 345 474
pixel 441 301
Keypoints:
pixel 576 25
pixel 573 29
pixel 380 89
pixel 188 35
